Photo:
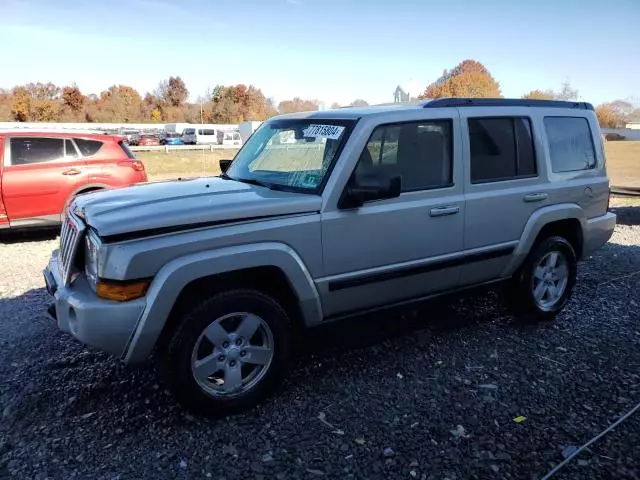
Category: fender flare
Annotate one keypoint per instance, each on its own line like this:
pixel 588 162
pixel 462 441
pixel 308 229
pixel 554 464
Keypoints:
pixel 179 272
pixel 536 222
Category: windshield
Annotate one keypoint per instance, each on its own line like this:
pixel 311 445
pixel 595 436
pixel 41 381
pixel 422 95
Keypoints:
pixel 294 154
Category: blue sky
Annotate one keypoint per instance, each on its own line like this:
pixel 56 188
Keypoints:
pixel 332 50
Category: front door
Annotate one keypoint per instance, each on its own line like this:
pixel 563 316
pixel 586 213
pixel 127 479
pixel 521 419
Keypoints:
pixel 39 176
pixel 391 250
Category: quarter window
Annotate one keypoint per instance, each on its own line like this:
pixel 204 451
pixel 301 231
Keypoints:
pixel 420 152
pixel 501 149
pixel 26 150
pixel 570 144
pixel 88 147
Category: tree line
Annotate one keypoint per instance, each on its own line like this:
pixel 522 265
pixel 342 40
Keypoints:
pixel 46 102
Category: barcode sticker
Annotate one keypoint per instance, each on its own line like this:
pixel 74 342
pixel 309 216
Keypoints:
pixel 323 131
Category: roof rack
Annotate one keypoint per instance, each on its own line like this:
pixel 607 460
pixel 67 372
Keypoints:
pixel 503 102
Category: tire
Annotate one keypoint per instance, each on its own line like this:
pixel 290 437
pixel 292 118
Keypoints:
pixel 225 361
pixel 531 280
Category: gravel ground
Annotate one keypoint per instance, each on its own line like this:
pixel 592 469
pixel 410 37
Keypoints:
pixel 433 396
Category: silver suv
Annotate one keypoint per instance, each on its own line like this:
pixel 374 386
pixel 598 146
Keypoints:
pixel 327 214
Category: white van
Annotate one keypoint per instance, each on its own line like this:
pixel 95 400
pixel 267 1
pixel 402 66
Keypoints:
pixel 200 136
pixel 229 138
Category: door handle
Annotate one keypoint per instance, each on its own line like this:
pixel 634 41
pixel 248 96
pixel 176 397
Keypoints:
pixel 444 210
pixel 535 197
pixel 72 171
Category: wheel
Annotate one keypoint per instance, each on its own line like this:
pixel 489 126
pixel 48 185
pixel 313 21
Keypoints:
pixel 546 280
pixel 229 353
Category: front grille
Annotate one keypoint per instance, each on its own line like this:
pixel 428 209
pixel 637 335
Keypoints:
pixel 70 238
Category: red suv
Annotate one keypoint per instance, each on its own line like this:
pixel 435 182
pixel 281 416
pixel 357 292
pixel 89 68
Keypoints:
pixel 40 172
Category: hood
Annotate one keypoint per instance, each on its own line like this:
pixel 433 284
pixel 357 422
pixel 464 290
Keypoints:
pixel 180 203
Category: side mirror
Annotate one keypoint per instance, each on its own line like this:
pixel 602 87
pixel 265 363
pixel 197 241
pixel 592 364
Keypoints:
pixel 369 187
pixel 224 165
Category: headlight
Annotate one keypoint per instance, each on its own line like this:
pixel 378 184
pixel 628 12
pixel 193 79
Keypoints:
pixel 91 244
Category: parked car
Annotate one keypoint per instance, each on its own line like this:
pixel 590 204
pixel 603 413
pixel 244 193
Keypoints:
pixel 200 136
pixel 614 136
pixel 148 141
pixel 132 136
pixel 229 138
pixel 368 208
pixel 41 171
pixel 172 139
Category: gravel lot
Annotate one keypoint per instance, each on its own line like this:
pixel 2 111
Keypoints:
pixel 433 396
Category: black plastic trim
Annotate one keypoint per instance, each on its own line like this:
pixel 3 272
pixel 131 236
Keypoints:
pixel 413 300
pixel 418 270
pixel 504 102
pixel 122 237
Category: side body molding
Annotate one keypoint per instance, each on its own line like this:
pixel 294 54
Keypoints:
pixel 175 275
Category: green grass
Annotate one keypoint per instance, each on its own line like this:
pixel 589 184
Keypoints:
pixel 189 163
pixel 623 162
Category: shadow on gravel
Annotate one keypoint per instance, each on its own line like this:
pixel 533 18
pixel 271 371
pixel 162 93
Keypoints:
pixel 438 316
pixel 24 236
pixel 627 215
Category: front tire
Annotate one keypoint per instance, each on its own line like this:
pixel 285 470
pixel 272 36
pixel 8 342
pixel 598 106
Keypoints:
pixel 545 282
pixel 228 353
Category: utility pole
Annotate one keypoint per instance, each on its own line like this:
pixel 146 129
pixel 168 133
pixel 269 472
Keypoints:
pixel 201 116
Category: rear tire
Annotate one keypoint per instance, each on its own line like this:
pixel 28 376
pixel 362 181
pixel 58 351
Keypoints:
pixel 229 353
pixel 544 284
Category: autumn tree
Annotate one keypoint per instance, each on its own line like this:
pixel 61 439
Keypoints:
pixel 73 99
pixel 21 104
pixel 359 103
pixel 616 114
pixel 119 103
pixel 236 103
pixel 72 104
pixel 173 92
pixel 297 105
pixel 566 92
pixel 539 95
pixel 270 108
pixel 467 79
pixel 5 106
pixel 606 116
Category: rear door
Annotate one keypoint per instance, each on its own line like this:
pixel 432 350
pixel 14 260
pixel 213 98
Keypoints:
pixel 39 176
pixel 505 184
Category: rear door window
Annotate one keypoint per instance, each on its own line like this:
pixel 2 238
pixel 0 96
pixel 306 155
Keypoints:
pixel 501 148
pixel 31 150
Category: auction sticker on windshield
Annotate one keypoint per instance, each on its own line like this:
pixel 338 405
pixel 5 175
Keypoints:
pixel 332 132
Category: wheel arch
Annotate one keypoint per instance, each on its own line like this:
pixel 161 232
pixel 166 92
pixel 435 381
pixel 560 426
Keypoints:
pixel 567 220
pixel 271 267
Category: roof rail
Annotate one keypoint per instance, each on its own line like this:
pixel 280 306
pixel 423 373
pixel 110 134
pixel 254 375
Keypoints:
pixel 504 102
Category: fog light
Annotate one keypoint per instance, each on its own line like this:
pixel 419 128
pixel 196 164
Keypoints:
pixel 122 291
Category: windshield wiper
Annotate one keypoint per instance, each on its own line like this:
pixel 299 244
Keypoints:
pixel 253 181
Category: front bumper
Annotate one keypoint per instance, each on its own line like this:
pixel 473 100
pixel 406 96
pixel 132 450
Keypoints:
pixel 103 324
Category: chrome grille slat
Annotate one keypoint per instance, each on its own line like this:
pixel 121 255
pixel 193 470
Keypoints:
pixel 70 238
